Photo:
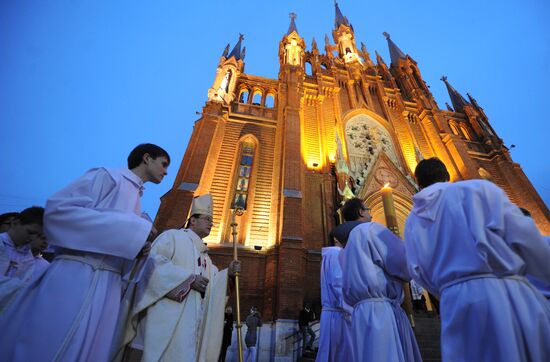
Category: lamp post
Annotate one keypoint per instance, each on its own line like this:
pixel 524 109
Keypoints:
pixel 237 212
pixel 393 226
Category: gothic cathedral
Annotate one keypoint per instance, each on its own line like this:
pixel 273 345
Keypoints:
pixel 333 125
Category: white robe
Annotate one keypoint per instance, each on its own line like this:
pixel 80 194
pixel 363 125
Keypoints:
pixel 541 285
pixel 170 331
pixel 467 243
pixel 69 314
pixel 16 269
pixel 374 267
pixel 335 334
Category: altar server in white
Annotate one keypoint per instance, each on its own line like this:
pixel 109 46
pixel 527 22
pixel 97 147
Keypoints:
pixel 18 265
pixel 95 223
pixel 335 334
pixel 469 245
pixel 374 268
pixel 178 311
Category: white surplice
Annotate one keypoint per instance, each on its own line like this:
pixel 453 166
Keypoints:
pixel 69 314
pixel 17 266
pixel 467 243
pixel 335 333
pixel 374 268
pixel 167 330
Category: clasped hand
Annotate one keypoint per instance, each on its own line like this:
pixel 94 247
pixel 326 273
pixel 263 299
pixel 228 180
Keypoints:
pixel 234 268
pixel 200 284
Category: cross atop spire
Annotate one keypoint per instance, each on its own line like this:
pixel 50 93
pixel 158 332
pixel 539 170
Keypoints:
pixel 292 26
pixel 457 99
pixel 340 18
pixel 237 52
pixel 395 52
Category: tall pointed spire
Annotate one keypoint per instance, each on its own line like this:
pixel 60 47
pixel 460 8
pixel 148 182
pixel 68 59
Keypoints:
pixel 225 51
pixel 292 26
pixel 379 59
pixel 395 52
pixel 340 19
pixel 457 99
pixel 236 52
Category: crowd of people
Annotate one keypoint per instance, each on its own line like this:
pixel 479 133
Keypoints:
pixel 112 280
pixel 467 245
pixel 109 284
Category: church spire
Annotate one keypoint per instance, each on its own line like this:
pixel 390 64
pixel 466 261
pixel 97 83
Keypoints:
pixel 457 99
pixel 339 19
pixel 395 52
pixel 237 52
pixel 292 46
pixel 292 26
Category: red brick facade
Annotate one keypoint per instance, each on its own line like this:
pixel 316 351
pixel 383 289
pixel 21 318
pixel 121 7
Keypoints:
pixel 385 119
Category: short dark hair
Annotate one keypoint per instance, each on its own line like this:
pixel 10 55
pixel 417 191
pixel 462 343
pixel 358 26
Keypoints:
pixel 351 209
pixel 136 156
pixel 8 216
pixel 525 212
pixel 342 231
pixel 188 222
pixel 430 171
pixel 32 215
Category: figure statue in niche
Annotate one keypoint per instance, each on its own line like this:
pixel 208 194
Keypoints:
pixel 224 86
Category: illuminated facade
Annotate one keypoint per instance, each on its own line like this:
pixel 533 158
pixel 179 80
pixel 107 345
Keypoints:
pixel 333 125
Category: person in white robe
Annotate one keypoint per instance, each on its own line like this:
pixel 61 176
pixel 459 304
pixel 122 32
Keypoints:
pixel 542 286
pixel 178 309
pixel 374 268
pixel 335 325
pixel 18 266
pixel 469 245
pixel 95 223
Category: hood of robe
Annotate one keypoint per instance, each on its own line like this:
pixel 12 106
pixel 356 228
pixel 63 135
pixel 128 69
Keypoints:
pixel 428 200
pixel 330 250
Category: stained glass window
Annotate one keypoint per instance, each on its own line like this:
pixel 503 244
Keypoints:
pixel 243 179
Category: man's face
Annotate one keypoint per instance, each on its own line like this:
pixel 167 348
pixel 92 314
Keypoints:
pixel 157 168
pixel 38 244
pixel 364 214
pixel 23 234
pixel 5 226
pixel 201 225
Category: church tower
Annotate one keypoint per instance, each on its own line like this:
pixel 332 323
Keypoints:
pixel 333 125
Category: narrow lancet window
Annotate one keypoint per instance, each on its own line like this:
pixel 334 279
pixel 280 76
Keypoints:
pixel 243 177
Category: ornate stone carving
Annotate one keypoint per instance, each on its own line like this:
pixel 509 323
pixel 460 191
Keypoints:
pixel 366 138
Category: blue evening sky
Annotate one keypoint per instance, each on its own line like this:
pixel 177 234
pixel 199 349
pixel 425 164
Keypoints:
pixel 83 81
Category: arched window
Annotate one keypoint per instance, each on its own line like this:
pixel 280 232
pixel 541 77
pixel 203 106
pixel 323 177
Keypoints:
pixel 243 97
pixel 309 71
pixel 348 50
pixel 257 99
pixel 454 129
pixel 270 101
pixel 243 175
pixel 466 133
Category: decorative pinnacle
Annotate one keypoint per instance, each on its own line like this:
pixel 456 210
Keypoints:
pixel 293 16
pixel 387 35
pixel 443 78
pixel 241 36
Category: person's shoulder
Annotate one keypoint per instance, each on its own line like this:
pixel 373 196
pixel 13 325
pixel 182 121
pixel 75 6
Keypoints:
pixel 117 173
pixel 476 186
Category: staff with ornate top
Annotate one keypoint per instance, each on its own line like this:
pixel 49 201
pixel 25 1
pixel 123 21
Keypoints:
pixel 237 211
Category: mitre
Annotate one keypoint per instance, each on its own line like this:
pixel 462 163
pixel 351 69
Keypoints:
pixel 202 205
